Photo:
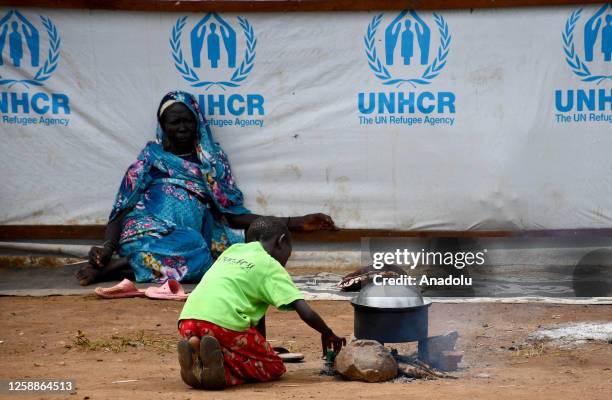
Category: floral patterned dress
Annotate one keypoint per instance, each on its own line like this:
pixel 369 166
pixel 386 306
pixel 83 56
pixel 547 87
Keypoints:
pixel 175 227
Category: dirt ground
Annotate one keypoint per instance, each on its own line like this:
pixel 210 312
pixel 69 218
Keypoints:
pixel 134 340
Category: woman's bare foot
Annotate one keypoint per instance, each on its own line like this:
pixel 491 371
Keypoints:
pixel 89 274
pixel 116 269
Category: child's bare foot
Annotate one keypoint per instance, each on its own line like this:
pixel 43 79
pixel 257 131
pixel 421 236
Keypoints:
pixel 194 341
pixel 191 366
pixel 213 372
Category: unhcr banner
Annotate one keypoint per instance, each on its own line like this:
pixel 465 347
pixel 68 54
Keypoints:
pixel 411 120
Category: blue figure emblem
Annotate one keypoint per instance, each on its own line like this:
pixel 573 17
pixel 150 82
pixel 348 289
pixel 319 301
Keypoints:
pixel 597 32
pixel 392 34
pixel 407 43
pixel 16 47
pixel 11 34
pixel 592 31
pixel 214 51
pixel 207 36
pixel 213 41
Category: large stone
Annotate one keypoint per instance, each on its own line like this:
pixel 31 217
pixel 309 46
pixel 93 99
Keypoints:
pixel 366 360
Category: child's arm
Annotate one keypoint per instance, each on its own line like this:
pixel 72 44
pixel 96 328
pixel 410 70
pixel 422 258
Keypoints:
pixel 312 319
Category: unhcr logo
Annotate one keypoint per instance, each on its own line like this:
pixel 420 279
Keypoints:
pixel 587 50
pixel 214 39
pixel 214 54
pixel 407 53
pixel 408 37
pixel 24 67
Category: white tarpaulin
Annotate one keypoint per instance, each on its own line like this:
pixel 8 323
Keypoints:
pixel 457 120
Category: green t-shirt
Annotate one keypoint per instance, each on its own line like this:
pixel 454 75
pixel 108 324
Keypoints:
pixel 237 289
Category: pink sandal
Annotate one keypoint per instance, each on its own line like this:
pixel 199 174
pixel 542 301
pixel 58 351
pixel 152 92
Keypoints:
pixel 171 290
pixel 123 289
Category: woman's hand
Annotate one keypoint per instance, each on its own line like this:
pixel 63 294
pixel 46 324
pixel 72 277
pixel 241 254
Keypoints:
pixel 99 257
pixel 312 222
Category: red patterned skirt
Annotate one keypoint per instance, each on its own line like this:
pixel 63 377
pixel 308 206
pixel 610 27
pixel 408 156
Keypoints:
pixel 248 357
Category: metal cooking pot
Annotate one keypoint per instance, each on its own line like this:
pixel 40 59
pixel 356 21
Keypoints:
pixel 390 314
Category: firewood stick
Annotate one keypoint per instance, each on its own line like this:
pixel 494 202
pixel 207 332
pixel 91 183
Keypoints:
pixel 433 371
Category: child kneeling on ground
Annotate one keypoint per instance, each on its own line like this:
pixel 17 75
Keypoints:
pixel 223 323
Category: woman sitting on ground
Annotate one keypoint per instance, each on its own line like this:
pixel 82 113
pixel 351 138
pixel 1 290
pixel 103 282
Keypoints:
pixel 178 206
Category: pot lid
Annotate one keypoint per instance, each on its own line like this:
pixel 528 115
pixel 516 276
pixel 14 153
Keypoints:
pixel 389 296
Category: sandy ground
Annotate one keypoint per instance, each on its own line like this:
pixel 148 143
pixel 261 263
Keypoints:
pixel 135 339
